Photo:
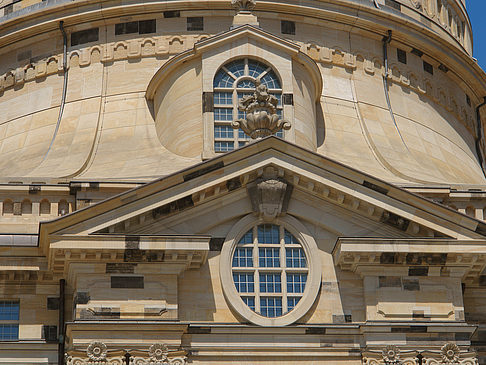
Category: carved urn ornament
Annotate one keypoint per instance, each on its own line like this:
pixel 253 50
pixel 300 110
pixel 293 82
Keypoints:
pixel 243 5
pixel 261 119
pixel 450 353
pixel 391 355
pixel 96 351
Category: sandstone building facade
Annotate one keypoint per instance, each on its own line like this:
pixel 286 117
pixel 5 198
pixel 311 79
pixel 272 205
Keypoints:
pixel 241 182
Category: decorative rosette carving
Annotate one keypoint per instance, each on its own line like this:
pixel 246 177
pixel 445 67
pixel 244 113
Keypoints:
pixel 391 355
pixel 240 5
pixel 158 352
pixel 262 119
pixel 96 351
pixel 450 353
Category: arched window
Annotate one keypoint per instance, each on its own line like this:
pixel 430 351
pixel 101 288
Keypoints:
pixel 45 207
pixel 62 208
pixel 233 81
pixel 26 207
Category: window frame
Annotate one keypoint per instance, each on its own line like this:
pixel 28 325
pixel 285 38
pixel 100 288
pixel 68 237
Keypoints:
pixel 236 300
pixel 234 93
pixel 10 322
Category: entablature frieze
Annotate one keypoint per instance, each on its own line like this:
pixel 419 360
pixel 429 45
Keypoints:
pixel 179 253
pixel 391 257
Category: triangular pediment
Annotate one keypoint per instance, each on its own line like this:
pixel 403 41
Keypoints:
pixel 216 191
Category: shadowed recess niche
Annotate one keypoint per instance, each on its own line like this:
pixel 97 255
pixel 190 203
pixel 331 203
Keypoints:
pixel 182 91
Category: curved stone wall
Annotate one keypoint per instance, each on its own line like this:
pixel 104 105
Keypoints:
pixel 427 133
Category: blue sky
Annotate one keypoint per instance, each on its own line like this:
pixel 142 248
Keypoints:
pixel 477 10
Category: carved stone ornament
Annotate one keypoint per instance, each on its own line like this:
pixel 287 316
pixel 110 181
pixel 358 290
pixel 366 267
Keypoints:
pixel 391 355
pixel 269 194
pixel 243 5
pixel 450 353
pixel 261 119
pixel 96 351
pixel 158 352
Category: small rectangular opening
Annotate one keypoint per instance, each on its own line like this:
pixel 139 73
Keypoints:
pixel 428 68
pixel 417 52
pixel 127 282
pixel 126 28
pixel 402 56
pixel 287 27
pixel 172 14
pixel 84 36
pixel 195 23
pixel 468 100
pixel 147 26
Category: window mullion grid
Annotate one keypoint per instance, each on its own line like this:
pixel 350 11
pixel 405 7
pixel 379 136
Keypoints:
pixel 256 274
pixel 283 274
pixel 235 114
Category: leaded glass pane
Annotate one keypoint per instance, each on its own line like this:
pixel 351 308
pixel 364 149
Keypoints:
pixel 292 302
pixel 295 257
pixel 246 84
pixel 250 302
pixel 255 68
pixel 269 257
pixel 223 146
pixel 268 233
pixel 221 98
pixel 9 310
pixel 271 307
pixel 243 257
pixel 223 114
pixel 237 68
pixel 296 283
pixel 271 80
pixel 247 238
pixel 9 332
pixel 270 283
pixel 244 282
pixel 222 79
pixel 223 131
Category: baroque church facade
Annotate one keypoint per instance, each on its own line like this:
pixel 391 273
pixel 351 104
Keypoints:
pixel 241 182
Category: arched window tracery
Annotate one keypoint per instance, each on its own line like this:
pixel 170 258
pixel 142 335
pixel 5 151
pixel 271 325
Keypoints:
pixel 233 81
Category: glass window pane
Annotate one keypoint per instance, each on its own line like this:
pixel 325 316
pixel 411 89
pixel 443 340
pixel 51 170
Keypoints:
pixel 243 257
pixel 269 257
pixel 222 79
pixel 221 98
pixel 237 68
pixel 295 257
pixel 250 302
pixel 270 283
pixel 247 238
pixel 255 68
pixel 9 310
pixel 246 84
pixel 296 283
pixel 292 302
pixel 290 239
pixel 244 282
pixel 271 307
pixel 271 80
pixel 223 114
pixel 221 146
pixel 9 331
pixel 223 131
pixel 268 233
